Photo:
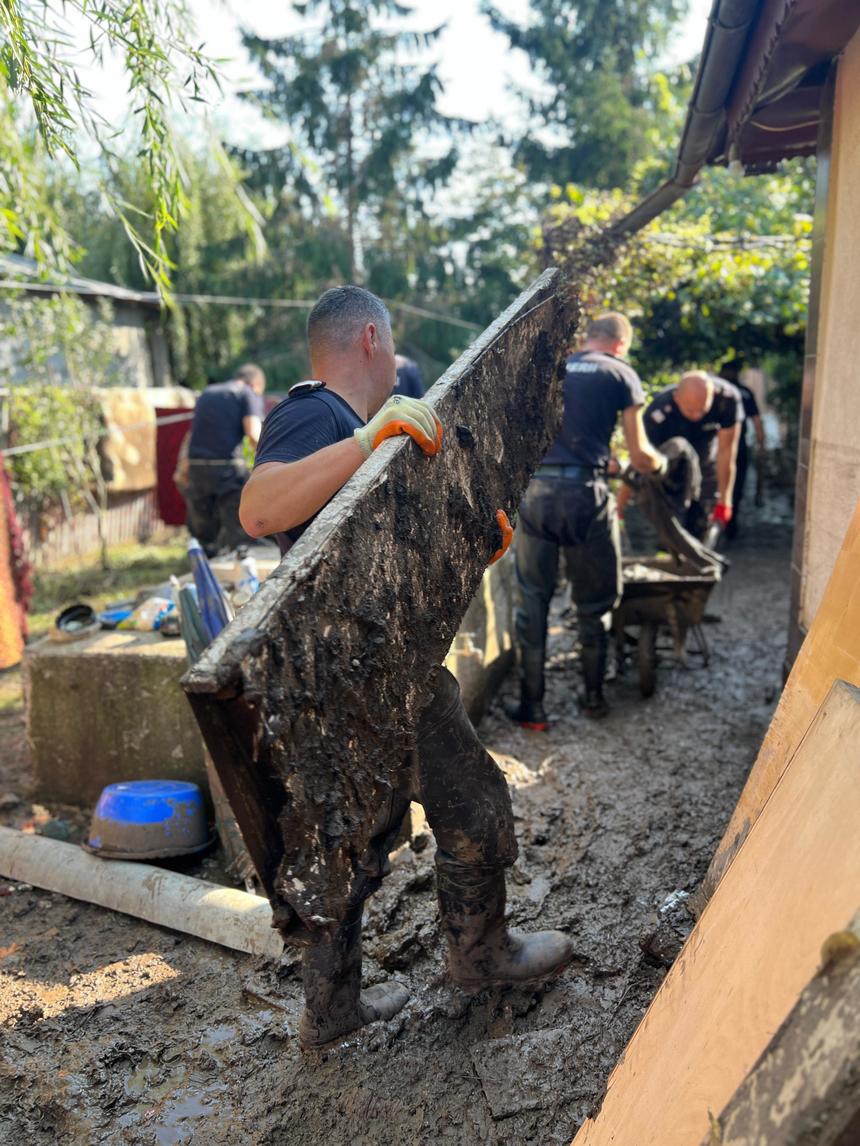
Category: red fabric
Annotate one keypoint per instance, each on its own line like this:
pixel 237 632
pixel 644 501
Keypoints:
pixel 168 439
pixel 16 585
pixel 723 514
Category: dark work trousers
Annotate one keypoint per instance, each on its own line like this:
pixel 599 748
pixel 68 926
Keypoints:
pixel 698 516
pixel 214 492
pixel 741 469
pixel 575 519
pixel 461 788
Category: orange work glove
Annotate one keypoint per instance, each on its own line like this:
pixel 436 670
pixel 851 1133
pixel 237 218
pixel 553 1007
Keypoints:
pixel 507 531
pixel 402 415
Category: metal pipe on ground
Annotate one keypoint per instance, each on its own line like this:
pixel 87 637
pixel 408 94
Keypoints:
pixel 221 915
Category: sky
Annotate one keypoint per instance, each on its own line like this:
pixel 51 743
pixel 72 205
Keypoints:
pixel 475 63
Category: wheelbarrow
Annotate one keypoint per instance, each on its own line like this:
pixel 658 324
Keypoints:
pixel 660 593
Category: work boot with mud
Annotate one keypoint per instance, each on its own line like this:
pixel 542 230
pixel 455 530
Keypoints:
pixel 593 657
pixel 593 704
pixel 482 953
pixel 334 1001
pixel 529 711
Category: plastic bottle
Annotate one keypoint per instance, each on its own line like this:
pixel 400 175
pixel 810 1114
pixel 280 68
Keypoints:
pixel 249 580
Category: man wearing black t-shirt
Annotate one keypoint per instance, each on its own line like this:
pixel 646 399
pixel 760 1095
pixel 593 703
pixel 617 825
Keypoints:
pixel 569 511
pixel 409 380
pixel 226 413
pixel 706 412
pixel 311 444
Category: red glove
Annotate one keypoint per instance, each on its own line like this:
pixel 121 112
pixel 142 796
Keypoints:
pixel 722 514
pixel 507 531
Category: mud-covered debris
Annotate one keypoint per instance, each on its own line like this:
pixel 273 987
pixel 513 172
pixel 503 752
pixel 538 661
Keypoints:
pixel 668 930
pixel 527 1072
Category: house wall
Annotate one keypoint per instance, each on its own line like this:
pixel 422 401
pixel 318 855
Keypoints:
pixel 141 357
pixel 833 480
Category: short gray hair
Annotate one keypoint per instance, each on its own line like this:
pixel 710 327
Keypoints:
pixel 610 327
pixel 340 315
pixel 249 373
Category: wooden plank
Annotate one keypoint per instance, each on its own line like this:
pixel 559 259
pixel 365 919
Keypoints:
pixel 309 700
pixel 795 881
pixel 806 1086
pixel 830 652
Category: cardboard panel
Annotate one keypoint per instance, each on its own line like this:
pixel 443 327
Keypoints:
pixel 795 881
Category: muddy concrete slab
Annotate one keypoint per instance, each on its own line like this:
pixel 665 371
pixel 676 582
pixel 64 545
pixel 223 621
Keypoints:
pixel 116 1032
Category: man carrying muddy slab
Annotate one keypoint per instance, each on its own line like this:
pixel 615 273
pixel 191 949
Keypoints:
pixel 568 511
pixel 311 444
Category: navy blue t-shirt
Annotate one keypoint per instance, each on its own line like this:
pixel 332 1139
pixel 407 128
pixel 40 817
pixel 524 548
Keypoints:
pixel 303 424
pixel 409 380
pixel 597 387
pixel 663 420
pixel 217 431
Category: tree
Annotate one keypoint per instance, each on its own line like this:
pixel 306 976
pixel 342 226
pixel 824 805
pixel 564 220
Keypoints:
pixel 215 252
pixel 590 122
pixel 723 274
pixel 46 110
pixel 358 103
pixel 62 348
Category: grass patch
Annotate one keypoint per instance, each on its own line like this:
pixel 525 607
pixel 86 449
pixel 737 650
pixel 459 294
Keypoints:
pixel 11 700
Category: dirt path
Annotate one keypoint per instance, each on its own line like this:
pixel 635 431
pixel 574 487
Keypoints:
pixel 118 1032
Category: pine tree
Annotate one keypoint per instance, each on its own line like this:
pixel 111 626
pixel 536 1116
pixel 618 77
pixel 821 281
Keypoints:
pixel 595 59
pixel 359 103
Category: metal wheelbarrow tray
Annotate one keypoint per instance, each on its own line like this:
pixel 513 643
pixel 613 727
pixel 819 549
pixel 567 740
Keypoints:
pixel 658 591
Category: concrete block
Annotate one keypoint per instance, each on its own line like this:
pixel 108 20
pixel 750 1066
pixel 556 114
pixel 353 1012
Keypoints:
pixel 108 708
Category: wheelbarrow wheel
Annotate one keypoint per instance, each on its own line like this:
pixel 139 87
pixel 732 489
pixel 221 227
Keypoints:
pixel 647 658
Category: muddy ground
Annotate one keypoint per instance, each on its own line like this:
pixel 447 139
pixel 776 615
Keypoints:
pixel 116 1031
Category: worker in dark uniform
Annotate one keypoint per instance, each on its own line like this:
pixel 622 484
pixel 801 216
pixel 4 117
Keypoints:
pixel 568 510
pixel 226 413
pixel 409 381
pixel 707 412
pixel 312 443
pixel 752 418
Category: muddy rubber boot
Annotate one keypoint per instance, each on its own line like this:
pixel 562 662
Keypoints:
pixel 529 712
pixel 591 700
pixel 593 705
pixel 334 1001
pixel 482 953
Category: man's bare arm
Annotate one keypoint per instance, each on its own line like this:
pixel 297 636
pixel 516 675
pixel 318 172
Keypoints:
pixel 759 430
pixel 643 457
pixel 727 452
pixel 252 426
pixel 281 495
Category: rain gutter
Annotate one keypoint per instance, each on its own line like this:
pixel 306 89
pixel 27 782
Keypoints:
pixel 729 26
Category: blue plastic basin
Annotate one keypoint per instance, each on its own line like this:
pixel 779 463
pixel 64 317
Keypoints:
pixel 149 819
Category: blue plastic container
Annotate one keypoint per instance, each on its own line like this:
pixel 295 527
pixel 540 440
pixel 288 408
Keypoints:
pixel 149 819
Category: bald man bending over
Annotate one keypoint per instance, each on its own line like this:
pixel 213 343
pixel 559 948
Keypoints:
pixel 707 412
